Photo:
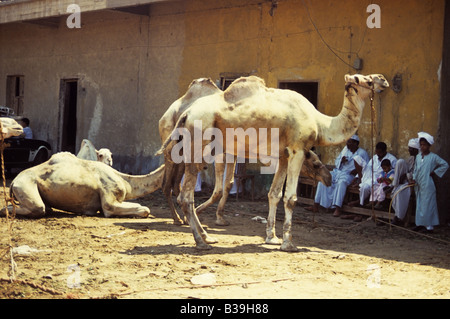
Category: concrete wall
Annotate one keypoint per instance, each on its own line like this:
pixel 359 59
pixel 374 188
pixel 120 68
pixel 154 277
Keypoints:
pixel 132 67
pixel 128 72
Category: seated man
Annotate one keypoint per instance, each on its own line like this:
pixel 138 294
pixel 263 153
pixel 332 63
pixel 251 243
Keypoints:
pixel 366 186
pixel 343 175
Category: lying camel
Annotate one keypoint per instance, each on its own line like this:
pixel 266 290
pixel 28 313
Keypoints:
pixel 88 152
pixel 68 183
pixel 248 103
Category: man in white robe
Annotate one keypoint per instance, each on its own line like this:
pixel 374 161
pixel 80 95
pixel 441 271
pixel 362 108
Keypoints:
pixel 342 176
pixel 401 193
pixel 428 166
pixel 366 185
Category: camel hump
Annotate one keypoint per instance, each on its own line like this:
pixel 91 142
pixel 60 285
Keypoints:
pixel 200 87
pixel 244 87
pixel 61 157
pixel 202 82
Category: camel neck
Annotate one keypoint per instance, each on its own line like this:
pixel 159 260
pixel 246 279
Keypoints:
pixel 338 129
pixel 141 185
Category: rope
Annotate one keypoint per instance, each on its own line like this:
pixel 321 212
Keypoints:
pixel 372 116
pixel 9 218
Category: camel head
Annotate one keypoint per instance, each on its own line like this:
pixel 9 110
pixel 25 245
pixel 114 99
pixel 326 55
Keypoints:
pixel 376 82
pixel 314 168
pixel 104 155
pixel 10 127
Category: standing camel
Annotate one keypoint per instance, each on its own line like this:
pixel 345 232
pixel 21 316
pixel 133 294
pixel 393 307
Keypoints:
pixel 198 88
pixel 173 172
pixel 248 103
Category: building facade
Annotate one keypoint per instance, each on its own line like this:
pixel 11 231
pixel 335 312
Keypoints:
pixel 111 77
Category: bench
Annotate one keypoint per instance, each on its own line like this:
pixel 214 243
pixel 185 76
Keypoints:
pixel 306 191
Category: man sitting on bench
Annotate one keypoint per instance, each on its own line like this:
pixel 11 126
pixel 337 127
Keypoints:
pixel 343 174
pixel 366 186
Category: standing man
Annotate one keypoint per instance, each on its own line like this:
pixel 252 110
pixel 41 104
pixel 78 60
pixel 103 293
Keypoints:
pixel 428 166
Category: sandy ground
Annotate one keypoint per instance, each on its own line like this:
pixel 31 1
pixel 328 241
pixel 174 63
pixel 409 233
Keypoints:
pixel 94 257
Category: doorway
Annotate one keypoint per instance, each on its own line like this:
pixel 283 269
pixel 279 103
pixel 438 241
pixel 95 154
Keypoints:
pixel 14 93
pixel 308 89
pixel 68 115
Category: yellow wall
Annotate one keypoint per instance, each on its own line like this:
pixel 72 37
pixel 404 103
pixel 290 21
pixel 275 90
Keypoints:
pixel 132 67
pixel 241 36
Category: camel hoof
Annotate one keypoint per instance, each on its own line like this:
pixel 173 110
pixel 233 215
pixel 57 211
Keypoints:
pixel 210 240
pixel 203 246
pixel 222 222
pixel 178 222
pixel 273 241
pixel 288 246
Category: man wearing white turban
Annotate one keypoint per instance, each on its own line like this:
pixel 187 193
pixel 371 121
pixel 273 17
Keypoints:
pixel 342 175
pixel 428 165
pixel 402 176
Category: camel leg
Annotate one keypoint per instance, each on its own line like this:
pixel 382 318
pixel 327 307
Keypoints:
pixel 30 201
pixel 229 180
pixel 168 185
pixel 275 193
pixel 125 209
pixel 295 163
pixel 112 207
pixel 218 189
pixel 186 201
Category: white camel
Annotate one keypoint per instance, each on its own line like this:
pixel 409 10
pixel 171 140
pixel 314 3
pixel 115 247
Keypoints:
pixel 173 172
pixel 89 152
pixel 71 184
pixel 10 127
pixel 248 103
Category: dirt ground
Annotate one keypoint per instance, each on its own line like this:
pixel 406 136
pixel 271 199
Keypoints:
pixel 75 256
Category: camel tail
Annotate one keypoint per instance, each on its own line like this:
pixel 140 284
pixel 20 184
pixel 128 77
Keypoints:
pixel 169 142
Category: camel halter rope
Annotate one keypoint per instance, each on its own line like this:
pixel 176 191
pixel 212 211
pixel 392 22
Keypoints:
pixel 9 217
pixel 372 117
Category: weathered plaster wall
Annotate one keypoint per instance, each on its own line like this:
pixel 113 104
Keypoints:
pixel 127 66
pixel 132 67
pixel 286 47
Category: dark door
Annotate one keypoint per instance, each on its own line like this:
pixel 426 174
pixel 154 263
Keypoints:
pixel 68 115
pixel 307 89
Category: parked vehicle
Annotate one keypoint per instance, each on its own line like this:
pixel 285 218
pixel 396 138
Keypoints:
pixel 23 153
